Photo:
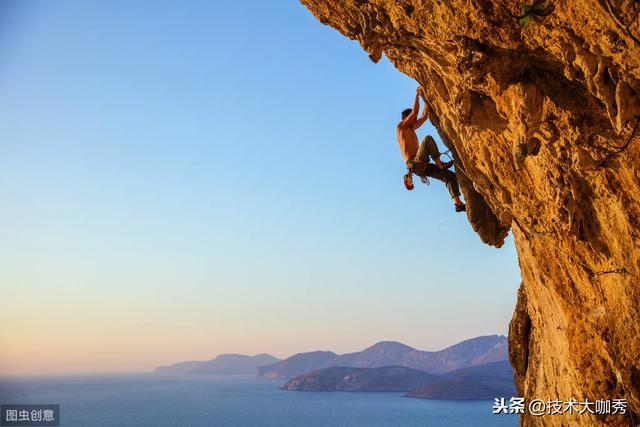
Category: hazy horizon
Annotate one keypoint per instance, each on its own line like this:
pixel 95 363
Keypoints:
pixel 188 359
pixel 179 183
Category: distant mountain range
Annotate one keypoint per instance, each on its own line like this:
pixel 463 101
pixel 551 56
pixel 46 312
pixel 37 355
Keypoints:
pixel 478 382
pixel 225 364
pixel 471 352
pixel 476 368
pixel 296 365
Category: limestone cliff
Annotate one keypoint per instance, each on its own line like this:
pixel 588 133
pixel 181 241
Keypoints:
pixel 542 119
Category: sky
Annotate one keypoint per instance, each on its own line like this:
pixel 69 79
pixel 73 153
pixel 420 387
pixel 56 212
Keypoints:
pixel 184 179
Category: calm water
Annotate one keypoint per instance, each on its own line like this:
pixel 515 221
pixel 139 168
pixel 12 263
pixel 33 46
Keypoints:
pixel 149 400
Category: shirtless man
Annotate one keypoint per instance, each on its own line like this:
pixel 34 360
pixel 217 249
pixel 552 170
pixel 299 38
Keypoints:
pixel 417 155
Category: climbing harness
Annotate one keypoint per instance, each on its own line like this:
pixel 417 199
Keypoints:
pixel 409 176
pixel 424 179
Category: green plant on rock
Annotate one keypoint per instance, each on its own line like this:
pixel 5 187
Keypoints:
pixel 536 9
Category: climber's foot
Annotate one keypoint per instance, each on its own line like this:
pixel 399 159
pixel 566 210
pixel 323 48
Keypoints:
pixel 460 207
pixel 445 165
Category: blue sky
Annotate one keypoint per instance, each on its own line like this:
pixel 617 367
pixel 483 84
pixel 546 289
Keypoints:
pixel 180 180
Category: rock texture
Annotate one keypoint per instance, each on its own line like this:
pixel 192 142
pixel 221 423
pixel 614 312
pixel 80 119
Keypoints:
pixel 541 121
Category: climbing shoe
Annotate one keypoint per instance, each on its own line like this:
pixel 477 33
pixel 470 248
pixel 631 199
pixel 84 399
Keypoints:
pixel 446 165
pixel 461 208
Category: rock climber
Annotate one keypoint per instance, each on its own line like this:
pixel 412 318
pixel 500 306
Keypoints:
pixel 417 155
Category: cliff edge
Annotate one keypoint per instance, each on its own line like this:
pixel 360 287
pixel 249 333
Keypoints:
pixel 541 114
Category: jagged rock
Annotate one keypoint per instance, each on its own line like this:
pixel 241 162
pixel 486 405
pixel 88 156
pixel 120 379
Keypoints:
pixel 519 330
pixel 540 120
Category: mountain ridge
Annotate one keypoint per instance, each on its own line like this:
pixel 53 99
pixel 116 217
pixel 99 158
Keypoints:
pixel 223 364
pixel 469 352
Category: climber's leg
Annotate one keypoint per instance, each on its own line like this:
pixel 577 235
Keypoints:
pixel 429 148
pixel 460 207
pixel 450 180
pixel 425 150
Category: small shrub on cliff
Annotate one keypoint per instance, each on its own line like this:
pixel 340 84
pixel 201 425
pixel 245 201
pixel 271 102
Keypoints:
pixel 536 9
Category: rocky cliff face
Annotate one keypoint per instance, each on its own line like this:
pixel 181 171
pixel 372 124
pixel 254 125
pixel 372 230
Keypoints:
pixel 542 120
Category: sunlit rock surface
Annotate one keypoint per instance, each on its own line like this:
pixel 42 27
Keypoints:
pixel 540 118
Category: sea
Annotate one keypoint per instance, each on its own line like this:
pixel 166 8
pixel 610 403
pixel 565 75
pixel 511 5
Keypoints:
pixel 148 400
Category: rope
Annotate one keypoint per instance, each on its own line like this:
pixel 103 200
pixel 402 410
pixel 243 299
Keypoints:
pixel 447 153
pixel 617 20
pixel 624 146
pixel 458 167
